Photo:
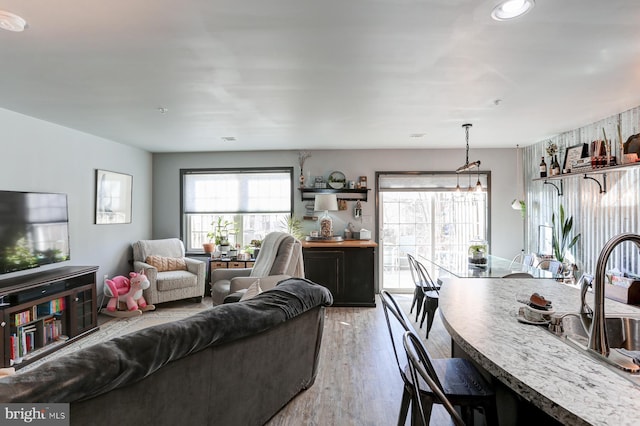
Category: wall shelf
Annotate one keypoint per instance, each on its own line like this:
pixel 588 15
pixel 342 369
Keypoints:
pixel 342 194
pixel 587 175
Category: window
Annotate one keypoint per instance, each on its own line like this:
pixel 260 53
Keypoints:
pixel 256 201
pixel 423 214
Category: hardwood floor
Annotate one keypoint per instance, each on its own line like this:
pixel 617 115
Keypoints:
pixel 358 381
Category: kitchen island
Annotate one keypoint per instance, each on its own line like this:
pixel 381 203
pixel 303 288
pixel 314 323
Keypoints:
pixel 561 380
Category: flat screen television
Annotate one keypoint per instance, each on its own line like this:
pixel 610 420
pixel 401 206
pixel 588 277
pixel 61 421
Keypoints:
pixel 34 230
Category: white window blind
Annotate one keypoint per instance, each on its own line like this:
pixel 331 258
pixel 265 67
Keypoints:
pixel 237 192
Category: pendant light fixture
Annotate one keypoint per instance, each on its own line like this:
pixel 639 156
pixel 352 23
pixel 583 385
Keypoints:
pixel 518 203
pixel 467 166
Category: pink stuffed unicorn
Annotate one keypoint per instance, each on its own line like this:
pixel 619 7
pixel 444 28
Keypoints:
pixel 123 289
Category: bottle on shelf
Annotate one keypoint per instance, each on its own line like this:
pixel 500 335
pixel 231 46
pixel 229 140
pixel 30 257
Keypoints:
pixel 543 168
pixel 556 166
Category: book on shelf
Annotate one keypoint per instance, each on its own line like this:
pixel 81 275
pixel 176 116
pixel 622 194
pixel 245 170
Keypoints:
pixel 20 318
pixel 51 307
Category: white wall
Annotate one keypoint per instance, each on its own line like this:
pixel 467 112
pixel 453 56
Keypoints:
pixel 506 223
pixel 41 156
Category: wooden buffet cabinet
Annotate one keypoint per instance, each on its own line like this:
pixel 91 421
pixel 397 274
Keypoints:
pixel 46 310
pixel 346 268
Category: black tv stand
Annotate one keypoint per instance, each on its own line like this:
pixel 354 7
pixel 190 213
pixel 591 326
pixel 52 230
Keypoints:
pixel 44 311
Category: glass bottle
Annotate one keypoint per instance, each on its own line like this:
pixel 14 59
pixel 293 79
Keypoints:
pixel 543 168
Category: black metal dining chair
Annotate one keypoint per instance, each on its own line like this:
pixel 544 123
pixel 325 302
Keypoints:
pixel 461 382
pixel 418 292
pixel 431 296
pixel 418 367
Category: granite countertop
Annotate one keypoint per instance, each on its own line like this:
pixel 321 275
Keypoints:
pixel 564 381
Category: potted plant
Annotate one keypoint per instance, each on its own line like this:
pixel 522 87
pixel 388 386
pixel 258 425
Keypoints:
pixel 561 240
pixel 220 231
pixel 254 248
pixel 293 226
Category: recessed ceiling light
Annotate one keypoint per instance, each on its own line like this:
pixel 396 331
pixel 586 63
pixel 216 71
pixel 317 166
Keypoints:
pixel 228 138
pixel 11 22
pixel 417 135
pixel 510 9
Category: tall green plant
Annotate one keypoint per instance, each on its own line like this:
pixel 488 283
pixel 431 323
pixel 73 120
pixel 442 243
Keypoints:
pixel 293 226
pixel 561 238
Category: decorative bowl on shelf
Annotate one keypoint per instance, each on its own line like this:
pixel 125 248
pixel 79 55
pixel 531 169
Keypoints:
pixel 337 180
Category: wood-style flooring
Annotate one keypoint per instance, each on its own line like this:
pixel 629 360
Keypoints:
pixel 358 382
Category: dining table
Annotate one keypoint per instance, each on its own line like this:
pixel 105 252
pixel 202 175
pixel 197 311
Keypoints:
pixel 458 265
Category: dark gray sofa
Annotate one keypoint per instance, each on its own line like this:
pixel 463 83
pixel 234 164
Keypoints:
pixel 233 364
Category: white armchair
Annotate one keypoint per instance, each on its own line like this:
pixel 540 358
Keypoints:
pixel 280 255
pixel 172 275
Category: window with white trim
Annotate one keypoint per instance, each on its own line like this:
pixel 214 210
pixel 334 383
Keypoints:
pixel 257 201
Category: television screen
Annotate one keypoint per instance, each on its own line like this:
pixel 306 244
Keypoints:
pixel 34 230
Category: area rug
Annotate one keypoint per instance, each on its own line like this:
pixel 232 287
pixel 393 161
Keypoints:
pixel 114 327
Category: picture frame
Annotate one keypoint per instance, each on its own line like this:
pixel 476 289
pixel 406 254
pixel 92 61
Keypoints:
pixel 545 240
pixel 113 197
pixel 574 153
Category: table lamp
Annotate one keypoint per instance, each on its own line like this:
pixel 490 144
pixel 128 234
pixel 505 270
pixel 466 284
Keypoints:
pixel 326 202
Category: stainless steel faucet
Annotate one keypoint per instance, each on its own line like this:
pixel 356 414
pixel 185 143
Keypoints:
pixel 598 341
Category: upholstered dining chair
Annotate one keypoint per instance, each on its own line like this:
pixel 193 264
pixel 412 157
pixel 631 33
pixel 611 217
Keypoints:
pixel 553 266
pixel 280 254
pixel 172 275
pixel 453 374
pixel 419 366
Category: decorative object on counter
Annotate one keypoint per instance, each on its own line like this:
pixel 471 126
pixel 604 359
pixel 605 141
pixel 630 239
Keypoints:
pixel 326 203
pixel 536 310
pixel 478 252
pixel 302 157
pixel 336 180
pixel 352 185
pixel 467 166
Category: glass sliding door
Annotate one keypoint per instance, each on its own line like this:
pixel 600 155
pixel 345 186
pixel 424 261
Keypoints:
pixel 424 215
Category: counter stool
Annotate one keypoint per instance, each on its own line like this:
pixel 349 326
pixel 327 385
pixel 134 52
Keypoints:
pixel 461 382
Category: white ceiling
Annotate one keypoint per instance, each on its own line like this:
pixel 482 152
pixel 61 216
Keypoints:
pixel 319 74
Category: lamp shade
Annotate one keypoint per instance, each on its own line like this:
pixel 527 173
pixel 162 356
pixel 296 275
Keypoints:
pixel 326 202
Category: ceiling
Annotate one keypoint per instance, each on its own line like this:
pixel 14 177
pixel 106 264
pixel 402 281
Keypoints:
pixel 319 74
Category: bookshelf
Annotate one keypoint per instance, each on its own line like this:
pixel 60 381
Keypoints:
pixel 44 311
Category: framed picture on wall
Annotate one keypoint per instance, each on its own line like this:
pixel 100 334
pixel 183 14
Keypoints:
pixel 113 197
pixel 574 153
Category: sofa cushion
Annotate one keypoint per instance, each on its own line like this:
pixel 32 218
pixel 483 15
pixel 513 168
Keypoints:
pixel 253 290
pixel 171 280
pixel 162 263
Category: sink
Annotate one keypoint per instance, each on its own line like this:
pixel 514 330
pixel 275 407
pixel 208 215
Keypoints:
pixel 623 333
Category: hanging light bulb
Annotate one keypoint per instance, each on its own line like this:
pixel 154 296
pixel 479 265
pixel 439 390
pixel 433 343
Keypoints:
pixel 478 185
pixel 457 183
